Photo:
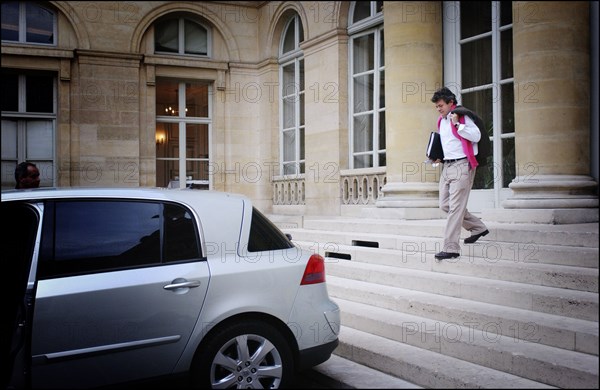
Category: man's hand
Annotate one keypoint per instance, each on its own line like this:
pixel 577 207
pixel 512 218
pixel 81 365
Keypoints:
pixel 454 118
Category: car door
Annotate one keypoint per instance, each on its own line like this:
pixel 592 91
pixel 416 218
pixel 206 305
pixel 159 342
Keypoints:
pixel 18 243
pixel 120 287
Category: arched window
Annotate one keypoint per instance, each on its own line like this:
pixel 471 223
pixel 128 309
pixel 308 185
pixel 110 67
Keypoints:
pixel 291 76
pixel 183 107
pixel 181 35
pixel 28 22
pixel 367 85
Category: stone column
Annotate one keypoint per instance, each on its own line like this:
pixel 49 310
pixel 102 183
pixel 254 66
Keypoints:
pixel 552 108
pixel 413 71
pixel 148 145
pixel 325 142
pixel 63 127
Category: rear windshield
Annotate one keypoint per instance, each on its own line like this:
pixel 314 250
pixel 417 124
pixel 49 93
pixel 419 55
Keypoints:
pixel 265 236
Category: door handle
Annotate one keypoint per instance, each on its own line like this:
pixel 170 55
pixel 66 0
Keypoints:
pixel 182 283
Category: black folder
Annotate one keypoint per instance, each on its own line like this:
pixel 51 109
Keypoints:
pixel 434 147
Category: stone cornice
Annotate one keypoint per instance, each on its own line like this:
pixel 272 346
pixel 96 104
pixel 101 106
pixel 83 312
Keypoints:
pixel 254 65
pixel 154 59
pixel 36 51
pixel 333 37
pixel 98 57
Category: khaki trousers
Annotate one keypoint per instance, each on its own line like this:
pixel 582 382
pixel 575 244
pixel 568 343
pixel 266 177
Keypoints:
pixel 455 186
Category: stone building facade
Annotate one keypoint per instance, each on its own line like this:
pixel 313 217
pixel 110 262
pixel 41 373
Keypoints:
pixel 309 108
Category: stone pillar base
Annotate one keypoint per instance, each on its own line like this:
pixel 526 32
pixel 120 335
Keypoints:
pixel 409 195
pixel 552 192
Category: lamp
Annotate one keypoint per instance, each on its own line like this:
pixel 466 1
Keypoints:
pixel 172 111
pixel 160 138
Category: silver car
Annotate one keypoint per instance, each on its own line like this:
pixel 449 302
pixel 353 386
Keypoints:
pixel 111 286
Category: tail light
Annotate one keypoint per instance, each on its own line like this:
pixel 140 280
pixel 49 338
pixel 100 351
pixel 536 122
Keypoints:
pixel 315 270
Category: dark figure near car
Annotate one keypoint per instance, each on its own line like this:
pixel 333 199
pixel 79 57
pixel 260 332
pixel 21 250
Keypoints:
pixel 27 175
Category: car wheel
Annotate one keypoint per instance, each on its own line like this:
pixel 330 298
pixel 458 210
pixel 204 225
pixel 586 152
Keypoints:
pixel 244 355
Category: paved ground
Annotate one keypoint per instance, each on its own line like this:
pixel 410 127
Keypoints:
pixel 335 373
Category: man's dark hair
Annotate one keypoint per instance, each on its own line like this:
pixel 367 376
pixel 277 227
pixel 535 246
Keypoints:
pixel 21 170
pixel 443 94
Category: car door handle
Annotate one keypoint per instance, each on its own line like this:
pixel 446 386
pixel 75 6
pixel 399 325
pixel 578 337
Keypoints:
pixel 182 283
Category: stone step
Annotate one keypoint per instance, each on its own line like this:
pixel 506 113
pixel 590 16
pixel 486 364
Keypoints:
pixel 506 355
pixel 575 235
pixel 549 275
pixel 422 367
pixel 340 373
pixel 569 303
pixel 556 331
pixel 485 248
pixel 522 302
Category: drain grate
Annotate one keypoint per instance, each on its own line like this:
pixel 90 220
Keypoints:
pixel 336 255
pixel 368 244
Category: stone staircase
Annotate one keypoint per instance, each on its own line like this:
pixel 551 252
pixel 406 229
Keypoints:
pixel 518 309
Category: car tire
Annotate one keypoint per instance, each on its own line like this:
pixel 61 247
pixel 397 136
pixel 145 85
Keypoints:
pixel 240 354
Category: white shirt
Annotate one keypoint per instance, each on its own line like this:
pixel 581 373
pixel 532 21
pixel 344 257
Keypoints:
pixel 452 145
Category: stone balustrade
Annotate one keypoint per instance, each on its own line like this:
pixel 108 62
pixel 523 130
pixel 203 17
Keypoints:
pixel 362 186
pixel 288 190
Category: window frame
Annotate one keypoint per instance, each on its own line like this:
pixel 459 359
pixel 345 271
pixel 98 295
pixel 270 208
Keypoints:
pixel 294 57
pixel 373 24
pixel 22 27
pixel 182 120
pixel 453 79
pixel 181 20
pixel 22 118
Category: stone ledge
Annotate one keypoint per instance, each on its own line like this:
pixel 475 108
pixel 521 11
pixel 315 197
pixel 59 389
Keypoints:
pixel 416 213
pixel 542 216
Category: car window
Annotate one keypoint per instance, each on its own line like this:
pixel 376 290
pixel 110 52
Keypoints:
pixel 264 235
pixel 180 235
pixel 101 235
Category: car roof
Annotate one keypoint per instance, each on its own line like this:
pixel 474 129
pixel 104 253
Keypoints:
pixel 222 214
pixel 155 193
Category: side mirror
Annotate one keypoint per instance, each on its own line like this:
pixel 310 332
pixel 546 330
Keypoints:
pixel 289 236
